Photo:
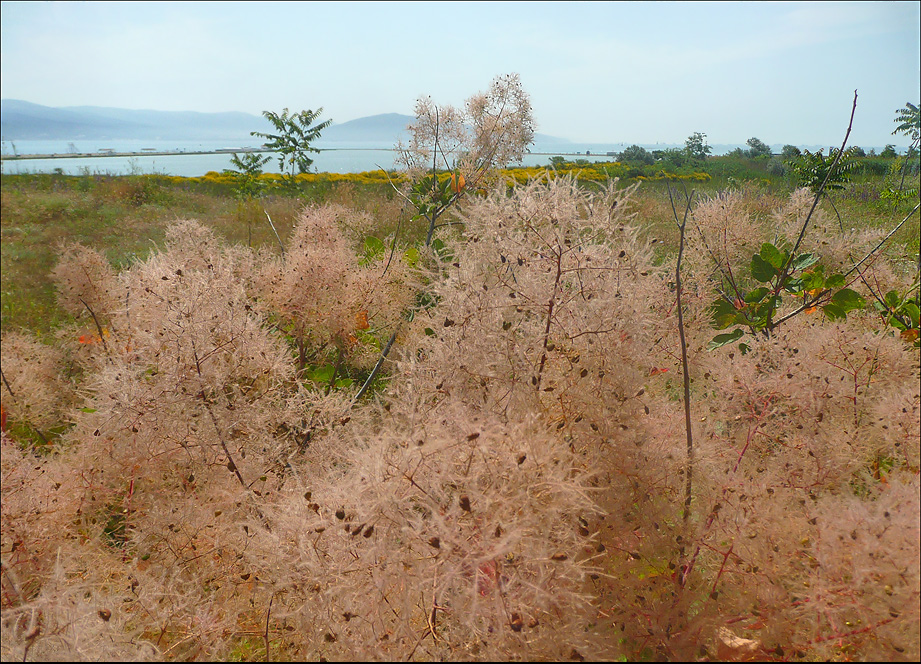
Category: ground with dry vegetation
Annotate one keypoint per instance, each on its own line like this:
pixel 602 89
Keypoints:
pixel 187 474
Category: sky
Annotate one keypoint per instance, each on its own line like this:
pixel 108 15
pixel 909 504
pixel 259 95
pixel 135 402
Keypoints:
pixel 631 72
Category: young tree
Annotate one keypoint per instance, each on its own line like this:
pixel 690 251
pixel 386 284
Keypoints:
pixel 909 119
pixel 635 153
pixel 758 148
pixel 296 131
pixel 248 185
pixel 247 172
pixel 813 167
pixel 696 146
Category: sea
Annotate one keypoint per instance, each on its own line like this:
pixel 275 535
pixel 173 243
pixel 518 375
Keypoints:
pixel 87 157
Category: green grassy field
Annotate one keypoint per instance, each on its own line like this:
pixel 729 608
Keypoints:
pixel 125 216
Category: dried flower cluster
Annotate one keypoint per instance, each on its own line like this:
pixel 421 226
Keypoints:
pixel 515 491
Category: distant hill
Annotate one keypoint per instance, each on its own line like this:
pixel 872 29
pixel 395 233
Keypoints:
pixel 373 131
pixel 22 120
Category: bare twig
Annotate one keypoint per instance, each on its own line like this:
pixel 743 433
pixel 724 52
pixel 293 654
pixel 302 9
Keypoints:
pixel 98 326
pixel 231 464
pixel 7 383
pixel 883 241
pixel 281 246
pixel 377 367
pixel 682 225
pixel 265 635
pixel 785 271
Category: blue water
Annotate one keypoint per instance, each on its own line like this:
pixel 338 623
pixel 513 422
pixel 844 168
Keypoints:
pixel 333 158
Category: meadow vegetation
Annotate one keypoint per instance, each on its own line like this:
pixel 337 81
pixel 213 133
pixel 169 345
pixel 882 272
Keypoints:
pixel 555 461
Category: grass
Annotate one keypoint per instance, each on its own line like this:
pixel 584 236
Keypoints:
pixel 125 217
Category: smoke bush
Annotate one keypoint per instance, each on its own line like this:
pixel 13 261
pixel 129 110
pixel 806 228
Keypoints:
pixel 515 491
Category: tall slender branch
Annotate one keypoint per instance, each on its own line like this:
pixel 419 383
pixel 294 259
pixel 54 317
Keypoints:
pixel 799 240
pixel 281 246
pixel 682 225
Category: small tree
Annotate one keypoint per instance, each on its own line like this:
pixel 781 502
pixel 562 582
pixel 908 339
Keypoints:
pixel 758 148
pixel 248 185
pixel 292 142
pixel 789 152
pixel 889 152
pixel 247 172
pixel 636 154
pixel 823 175
pixel 909 119
pixel 812 168
pixel 696 146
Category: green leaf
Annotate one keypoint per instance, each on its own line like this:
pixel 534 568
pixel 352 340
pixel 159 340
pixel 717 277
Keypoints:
pixel 411 256
pixel 87 410
pixel 762 270
pixel 756 295
pixel 803 261
pixel 763 312
pixel 722 314
pixel 834 312
pixel 892 299
pixel 848 299
pixel 724 339
pixel 813 280
pixel 442 250
pixel 913 313
pixel 772 256
pixel 321 374
pixel 794 285
pixel 835 281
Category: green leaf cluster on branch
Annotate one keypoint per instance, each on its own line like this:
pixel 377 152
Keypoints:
pixel 804 280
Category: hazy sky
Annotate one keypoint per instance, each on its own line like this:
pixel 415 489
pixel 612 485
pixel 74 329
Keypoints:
pixel 637 72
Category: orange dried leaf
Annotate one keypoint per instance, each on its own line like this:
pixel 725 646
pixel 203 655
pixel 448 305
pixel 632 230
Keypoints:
pixel 457 183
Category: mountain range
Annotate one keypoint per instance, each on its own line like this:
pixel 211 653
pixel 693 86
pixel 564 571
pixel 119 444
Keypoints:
pixel 22 120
